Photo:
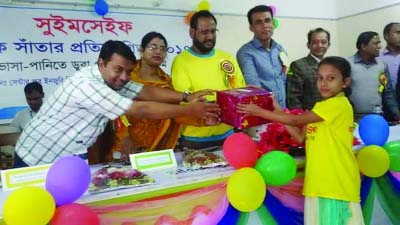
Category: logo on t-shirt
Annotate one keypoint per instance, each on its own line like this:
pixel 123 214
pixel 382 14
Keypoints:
pixel 311 129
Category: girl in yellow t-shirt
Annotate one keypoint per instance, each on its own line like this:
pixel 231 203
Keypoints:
pixel 332 179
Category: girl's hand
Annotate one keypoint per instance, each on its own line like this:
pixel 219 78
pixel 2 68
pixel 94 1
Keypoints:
pixel 249 109
pixel 277 107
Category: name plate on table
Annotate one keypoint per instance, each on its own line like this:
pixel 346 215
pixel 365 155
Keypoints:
pixel 153 160
pixel 21 177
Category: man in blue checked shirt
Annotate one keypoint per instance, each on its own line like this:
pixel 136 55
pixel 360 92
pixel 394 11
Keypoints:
pixel 79 109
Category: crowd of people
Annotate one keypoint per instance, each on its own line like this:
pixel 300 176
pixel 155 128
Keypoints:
pixel 154 110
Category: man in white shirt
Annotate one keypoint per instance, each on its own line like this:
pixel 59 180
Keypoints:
pixel 34 97
pixel 77 112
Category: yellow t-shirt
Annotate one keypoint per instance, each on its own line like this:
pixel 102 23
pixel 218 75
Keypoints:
pixel 192 72
pixel 331 167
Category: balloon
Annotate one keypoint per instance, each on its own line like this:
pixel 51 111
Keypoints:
pixel 189 17
pixel 68 179
pixel 75 214
pixel 240 150
pixel 101 7
pixel 246 189
pixel 276 23
pixel 28 205
pixel 273 8
pixel 393 149
pixel 277 168
pixel 373 130
pixel 203 5
pixel 373 161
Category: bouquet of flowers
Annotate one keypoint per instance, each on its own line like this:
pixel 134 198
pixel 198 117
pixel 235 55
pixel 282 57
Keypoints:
pixel 277 138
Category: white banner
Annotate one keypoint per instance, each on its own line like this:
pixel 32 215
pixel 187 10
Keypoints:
pixel 48 45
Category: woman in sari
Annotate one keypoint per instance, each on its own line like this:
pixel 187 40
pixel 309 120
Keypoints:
pixel 137 135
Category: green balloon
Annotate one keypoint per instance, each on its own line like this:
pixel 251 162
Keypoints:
pixel 393 150
pixel 277 168
pixel 276 23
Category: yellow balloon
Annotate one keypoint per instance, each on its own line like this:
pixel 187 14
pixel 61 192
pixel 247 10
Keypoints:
pixel 246 189
pixel 373 161
pixel 29 205
pixel 204 5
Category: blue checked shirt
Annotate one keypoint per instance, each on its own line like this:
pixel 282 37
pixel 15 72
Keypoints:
pixel 72 118
pixel 263 67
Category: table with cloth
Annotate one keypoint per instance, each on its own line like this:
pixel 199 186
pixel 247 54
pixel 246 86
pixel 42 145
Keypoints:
pixel 180 195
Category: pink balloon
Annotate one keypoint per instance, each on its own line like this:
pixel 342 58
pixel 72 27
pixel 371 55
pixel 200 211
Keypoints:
pixel 273 8
pixel 240 151
pixel 75 214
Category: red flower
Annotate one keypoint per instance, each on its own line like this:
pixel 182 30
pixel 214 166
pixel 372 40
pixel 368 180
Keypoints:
pixel 277 138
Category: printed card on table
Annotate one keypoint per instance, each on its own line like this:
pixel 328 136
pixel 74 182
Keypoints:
pixel 153 160
pixel 21 177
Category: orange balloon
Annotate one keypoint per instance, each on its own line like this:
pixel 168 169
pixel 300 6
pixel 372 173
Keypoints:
pixel 189 17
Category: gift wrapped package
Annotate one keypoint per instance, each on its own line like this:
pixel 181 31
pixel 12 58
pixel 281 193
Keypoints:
pixel 229 99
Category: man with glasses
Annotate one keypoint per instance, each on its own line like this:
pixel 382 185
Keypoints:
pixel 204 67
pixel 262 60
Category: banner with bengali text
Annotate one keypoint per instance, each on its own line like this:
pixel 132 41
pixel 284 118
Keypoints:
pixel 49 45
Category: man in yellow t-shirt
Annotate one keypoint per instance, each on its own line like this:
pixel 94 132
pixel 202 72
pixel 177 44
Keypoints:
pixel 203 67
pixel 331 167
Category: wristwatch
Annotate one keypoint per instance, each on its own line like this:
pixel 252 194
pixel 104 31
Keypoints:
pixel 185 96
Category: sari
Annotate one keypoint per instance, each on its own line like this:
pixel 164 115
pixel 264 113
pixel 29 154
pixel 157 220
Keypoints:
pixel 149 134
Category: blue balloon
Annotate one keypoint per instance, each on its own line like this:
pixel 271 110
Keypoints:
pixel 101 7
pixel 373 130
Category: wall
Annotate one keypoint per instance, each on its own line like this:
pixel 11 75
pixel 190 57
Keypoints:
pixel 296 18
pixel 291 33
pixel 348 8
pixel 350 27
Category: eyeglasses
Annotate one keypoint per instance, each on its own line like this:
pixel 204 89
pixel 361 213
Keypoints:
pixel 208 31
pixel 154 48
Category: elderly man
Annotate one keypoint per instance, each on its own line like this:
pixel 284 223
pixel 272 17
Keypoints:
pixel 302 89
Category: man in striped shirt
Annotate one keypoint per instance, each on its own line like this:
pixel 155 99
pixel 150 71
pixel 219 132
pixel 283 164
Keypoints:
pixel 77 112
